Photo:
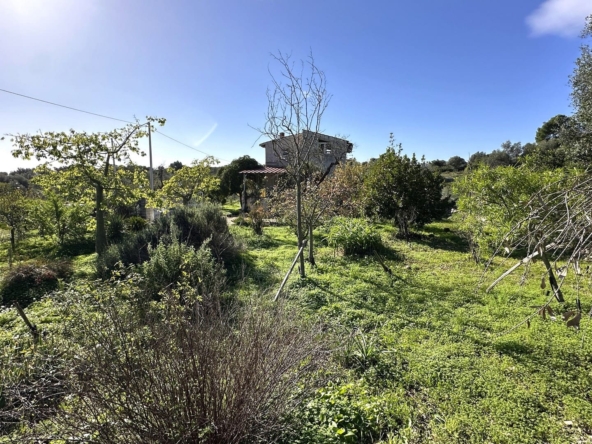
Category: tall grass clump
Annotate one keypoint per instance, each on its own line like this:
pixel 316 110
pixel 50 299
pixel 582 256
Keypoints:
pixel 353 236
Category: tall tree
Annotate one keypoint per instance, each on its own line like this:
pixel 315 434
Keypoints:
pixel 552 128
pixel 231 181
pixel 88 159
pixel 457 163
pixel 297 101
pixel 513 150
pixel 578 132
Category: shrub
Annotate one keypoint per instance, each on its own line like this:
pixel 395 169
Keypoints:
pixel 257 213
pixel 115 228
pixel 191 226
pixel 26 283
pixel 163 375
pixel 131 251
pixel 353 236
pixel 180 267
pixel 197 224
pixel 135 223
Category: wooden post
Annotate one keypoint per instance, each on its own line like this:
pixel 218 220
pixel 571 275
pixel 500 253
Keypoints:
pixel 277 295
pixel 32 327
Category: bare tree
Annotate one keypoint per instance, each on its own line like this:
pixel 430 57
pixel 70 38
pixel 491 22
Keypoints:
pixel 297 101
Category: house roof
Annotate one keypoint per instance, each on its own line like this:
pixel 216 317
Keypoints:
pixel 264 170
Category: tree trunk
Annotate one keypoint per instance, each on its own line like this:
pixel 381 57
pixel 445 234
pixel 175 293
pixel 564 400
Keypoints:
pixel 310 246
pixel 299 222
pixel 244 194
pixel 12 238
pixel 100 233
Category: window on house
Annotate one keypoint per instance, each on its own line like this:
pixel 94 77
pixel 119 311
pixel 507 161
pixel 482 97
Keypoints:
pixel 325 147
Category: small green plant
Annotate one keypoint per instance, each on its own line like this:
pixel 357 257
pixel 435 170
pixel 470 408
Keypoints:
pixel 353 236
pixel 135 223
pixel 257 213
pixel 181 267
pixel 361 352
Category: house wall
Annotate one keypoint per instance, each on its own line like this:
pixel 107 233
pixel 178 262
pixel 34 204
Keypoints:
pixel 339 149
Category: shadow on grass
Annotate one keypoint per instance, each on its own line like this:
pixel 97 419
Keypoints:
pixel 443 238
pixel 513 348
pixel 245 267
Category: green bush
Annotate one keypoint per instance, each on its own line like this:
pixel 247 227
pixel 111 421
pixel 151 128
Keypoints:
pixel 178 266
pixel 195 225
pixel 191 226
pixel 26 283
pixel 353 236
pixel 135 223
pixel 115 228
pixel 132 250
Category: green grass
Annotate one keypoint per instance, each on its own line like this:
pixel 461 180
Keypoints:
pixel 445 355
pixel 424 354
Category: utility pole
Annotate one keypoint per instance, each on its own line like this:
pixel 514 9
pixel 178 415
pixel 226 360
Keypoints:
pixel 150 211
pixel 114 166
pixel 150 151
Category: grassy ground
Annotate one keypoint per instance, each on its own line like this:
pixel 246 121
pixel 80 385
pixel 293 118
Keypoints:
pixel 440 355
pixel 425 354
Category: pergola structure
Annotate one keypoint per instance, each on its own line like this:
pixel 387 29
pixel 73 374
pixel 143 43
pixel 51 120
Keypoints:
pixel 265 170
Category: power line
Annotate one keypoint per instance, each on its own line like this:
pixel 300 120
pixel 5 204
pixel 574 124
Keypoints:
pixel 189 146
pixel 64 106
pixel 108 117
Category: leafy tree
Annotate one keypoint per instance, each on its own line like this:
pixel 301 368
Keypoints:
pixel 457 163
pixel 513 150
pixel 492 200
pixel 13 210
pixel 176 165
pixel 88 160
pixel 231 181
pixel 551 129
pixel 399 187
pixel 187 183
pixel 546 155
pixel 477 158
pixel 60 220
pixel 577 133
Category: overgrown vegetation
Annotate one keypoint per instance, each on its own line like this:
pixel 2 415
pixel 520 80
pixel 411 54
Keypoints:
pixel 411 326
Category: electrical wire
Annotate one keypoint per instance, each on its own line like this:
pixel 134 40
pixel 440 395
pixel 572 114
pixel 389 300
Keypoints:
pixel 111 118
pixel 64 106
pixel 188 146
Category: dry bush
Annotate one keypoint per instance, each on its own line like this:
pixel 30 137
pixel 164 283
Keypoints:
pixel 169 374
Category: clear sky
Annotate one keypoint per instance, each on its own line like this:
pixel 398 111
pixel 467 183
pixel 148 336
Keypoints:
pixel 446 77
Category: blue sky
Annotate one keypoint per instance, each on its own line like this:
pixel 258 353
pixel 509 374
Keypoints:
pixel 446 77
